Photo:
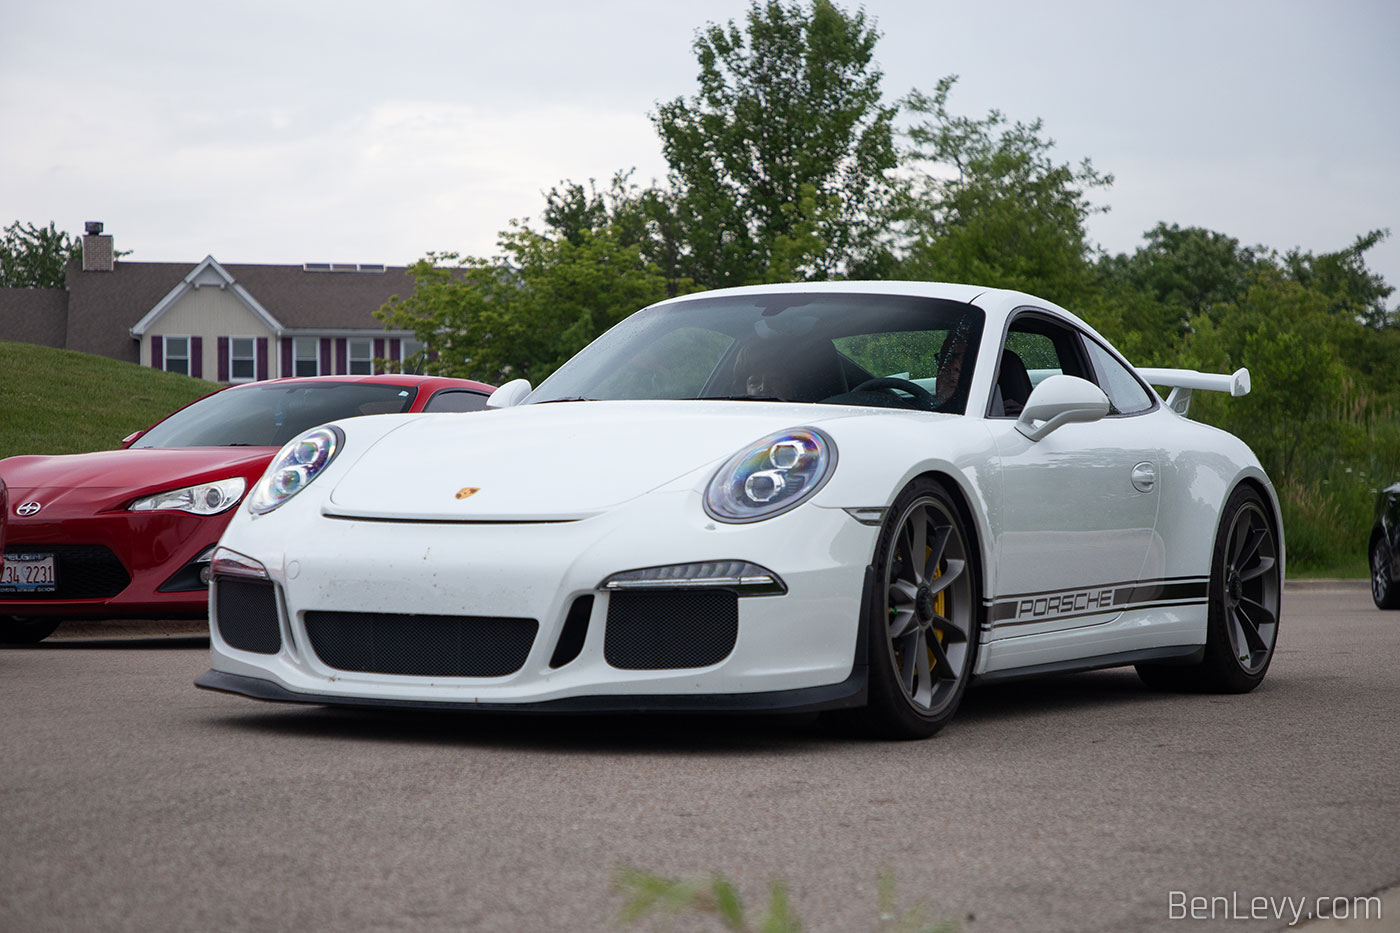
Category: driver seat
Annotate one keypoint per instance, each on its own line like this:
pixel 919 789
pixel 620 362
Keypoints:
pixel 1013 387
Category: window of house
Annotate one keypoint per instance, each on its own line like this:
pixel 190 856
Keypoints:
pixel 361 357
pixel 408 353
pixel 240 359
pixel 177 355
pixel 306 356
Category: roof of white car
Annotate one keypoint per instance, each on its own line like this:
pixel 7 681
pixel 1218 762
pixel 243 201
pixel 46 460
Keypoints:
pixel 997 302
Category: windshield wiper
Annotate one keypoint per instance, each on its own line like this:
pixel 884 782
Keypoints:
pixel 567 398
pixel 742 398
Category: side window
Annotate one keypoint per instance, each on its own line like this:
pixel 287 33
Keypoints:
pixel 1036 348
pixel 1125 393
pixel 456 400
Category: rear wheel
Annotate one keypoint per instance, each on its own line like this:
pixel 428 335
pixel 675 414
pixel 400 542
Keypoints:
pixel 1383 589
pixel 1244 595
pixel 24 630
pixel 923 636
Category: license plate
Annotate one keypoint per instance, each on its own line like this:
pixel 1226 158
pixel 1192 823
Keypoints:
pixel 28 573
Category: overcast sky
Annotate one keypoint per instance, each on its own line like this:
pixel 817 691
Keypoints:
pixel 288 132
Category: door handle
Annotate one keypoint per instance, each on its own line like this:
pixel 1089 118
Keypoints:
pixel 1144 476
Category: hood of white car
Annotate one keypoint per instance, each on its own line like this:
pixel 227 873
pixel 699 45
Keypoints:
pixel 554 461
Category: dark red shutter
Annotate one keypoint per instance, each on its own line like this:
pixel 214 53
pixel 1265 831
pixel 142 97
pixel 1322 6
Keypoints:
pixel 287 369
pixel 260 359
pixel 157 352
pixel 197 357
pixel 325 356
pixel 223 359
pixel 378 354
pixel 342 357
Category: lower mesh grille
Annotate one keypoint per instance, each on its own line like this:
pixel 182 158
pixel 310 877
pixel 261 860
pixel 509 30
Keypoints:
pixel 423 646
pixel 665 630
pixel 246 614
pixel 80 571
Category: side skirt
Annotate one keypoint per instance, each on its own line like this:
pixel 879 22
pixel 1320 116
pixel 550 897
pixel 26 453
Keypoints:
pixel 1182 654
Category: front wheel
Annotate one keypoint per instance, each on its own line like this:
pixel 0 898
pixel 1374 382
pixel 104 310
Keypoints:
pixel 1383 590
pixel 1245 594
pixel 22 630
pixel 923 633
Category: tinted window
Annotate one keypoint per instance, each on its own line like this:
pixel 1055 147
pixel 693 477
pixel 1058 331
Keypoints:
pixel 1125 393
pixel 456 400
pixel 827 348
pixel 271 415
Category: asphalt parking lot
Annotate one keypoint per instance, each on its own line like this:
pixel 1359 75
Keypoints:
pixel 130 800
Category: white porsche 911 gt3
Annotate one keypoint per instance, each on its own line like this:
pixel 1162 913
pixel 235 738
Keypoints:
pixel 847 496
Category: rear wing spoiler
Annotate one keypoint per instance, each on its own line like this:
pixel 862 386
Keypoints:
pixel 1182 381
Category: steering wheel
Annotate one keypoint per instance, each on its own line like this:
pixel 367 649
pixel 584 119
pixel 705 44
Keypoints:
pixel 890 383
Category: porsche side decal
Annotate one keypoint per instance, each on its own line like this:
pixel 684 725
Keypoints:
pixel 1053 605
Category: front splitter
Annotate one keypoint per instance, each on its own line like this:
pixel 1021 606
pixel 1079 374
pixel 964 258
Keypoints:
pixel 849 692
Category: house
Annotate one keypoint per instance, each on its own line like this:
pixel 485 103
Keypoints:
pixel 216 321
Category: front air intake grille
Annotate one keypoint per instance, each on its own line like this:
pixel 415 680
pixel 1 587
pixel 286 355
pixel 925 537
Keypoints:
pixel 653 630
pixel 421 646
pixel 246 614
pixel 80 571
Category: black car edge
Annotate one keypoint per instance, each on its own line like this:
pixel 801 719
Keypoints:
pixel 1384 546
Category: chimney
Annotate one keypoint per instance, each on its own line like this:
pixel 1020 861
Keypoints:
pixel 97 249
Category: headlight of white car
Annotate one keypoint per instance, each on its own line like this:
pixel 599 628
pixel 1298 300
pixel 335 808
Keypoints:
pixel 294 467
pixel 204 499
pixel 771 476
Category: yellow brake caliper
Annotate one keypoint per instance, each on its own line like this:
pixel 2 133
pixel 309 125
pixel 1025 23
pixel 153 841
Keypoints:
pixel 940 603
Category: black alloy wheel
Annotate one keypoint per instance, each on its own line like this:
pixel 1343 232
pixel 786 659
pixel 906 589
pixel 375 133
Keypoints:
pixel 923 635
pixel 1383 589
pixel 1244 600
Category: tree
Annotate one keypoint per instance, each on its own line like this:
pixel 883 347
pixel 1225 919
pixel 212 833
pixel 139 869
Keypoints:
pixel 543 298
pixel 787 140
pixel 1353 290
pixel 34 257
pixel 990 204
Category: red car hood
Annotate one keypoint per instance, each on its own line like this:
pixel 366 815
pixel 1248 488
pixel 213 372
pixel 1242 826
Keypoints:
pixel 113 476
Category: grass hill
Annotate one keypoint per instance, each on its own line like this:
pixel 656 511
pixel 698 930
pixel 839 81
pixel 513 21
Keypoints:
pixel 62 402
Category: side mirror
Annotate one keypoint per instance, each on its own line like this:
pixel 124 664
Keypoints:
pixel 510 394
pixel 1060 400
pixel 130 439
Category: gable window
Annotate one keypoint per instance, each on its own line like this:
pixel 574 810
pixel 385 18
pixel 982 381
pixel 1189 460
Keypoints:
pixel 361 357
pixel 240 359
pixel 177 355
pixel 306 356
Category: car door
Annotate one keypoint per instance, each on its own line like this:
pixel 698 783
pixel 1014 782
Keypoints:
pixel 1079 506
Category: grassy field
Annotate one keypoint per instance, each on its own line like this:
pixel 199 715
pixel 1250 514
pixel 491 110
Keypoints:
pixel 61 402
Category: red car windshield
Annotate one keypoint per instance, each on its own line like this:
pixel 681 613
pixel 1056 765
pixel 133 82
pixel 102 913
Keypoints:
pixel 270 415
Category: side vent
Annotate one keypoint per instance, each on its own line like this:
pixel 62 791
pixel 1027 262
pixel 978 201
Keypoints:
pixel 574 632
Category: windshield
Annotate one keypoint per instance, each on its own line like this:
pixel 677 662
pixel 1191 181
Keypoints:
pixel 891 351
pixel 270 415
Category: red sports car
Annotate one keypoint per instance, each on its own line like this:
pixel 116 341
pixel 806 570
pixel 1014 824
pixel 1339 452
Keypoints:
pixel 128 532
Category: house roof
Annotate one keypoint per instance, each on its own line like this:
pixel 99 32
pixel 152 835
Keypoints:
pixel 105 306
pixel 34 315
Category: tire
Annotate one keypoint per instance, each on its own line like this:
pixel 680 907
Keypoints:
pixel 1244 600
pixel 925 620
pixel 1384 590
pixel 23 630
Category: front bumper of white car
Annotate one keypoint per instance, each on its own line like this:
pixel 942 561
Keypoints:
pixel 513 615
